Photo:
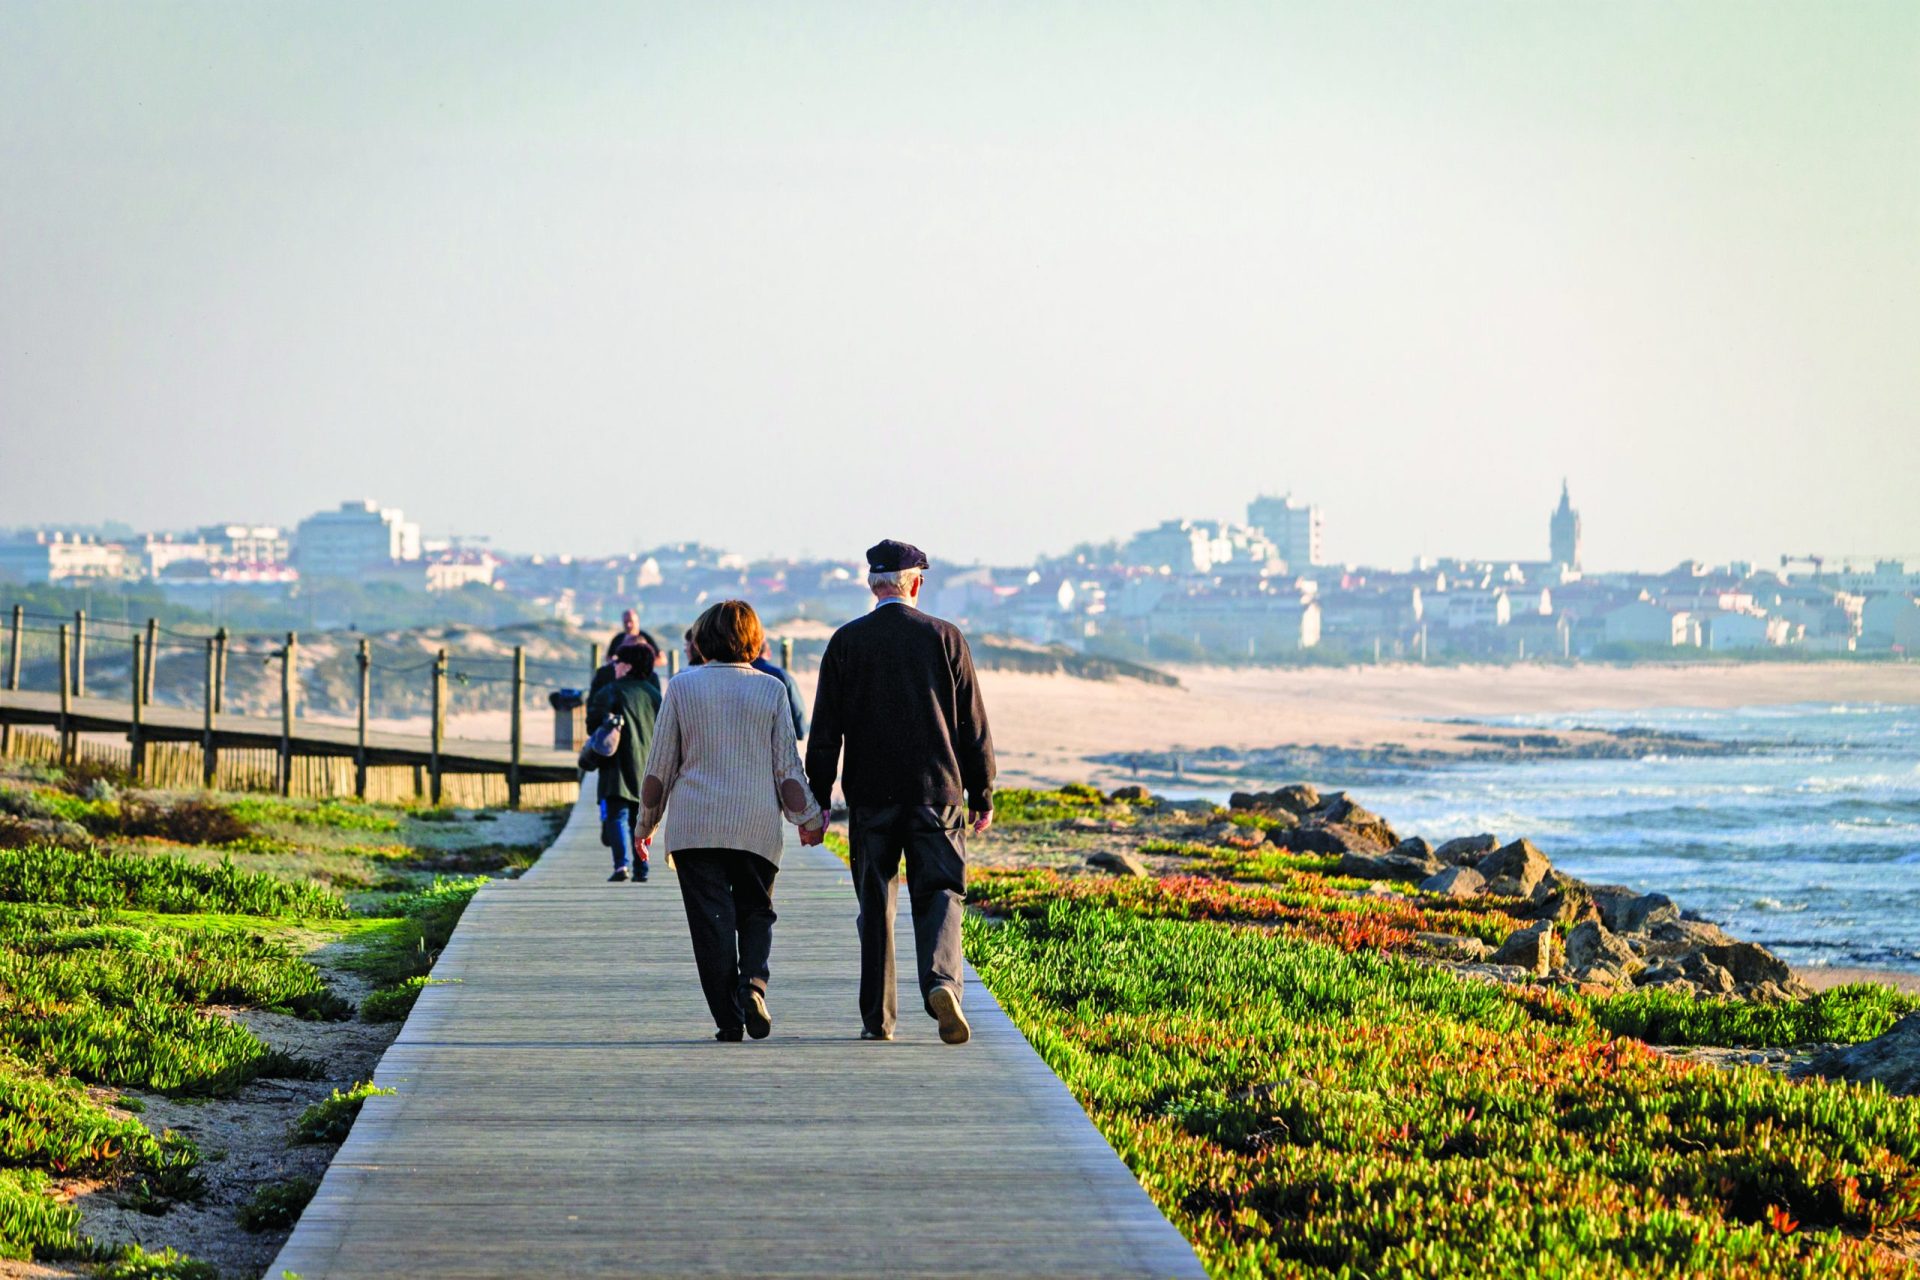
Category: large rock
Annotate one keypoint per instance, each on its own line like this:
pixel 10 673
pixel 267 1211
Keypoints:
pixel 1116 862
pixel 1299 799
pixel 1752 965
pixel 1624 910
pixel 1530 948
pixel 1671 937
pixel 1131 794
pixel 1385 866
pixel 1340 809
pixel 1317 838
pixel 1893 1059
pixel 1456 882
pixel 1515 870
pixel 1413 847
pixel 1595 955
pixel 1561 899
pixel 1467 850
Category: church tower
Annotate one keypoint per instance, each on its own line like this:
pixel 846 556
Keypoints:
pixel 1564 533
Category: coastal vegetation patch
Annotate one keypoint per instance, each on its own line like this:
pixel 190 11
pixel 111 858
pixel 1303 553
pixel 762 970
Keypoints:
pixel 1322 1074
pixel 160 953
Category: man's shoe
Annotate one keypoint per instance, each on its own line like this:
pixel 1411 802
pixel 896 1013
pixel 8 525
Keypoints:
pixel 945 1007
pixel 619 874
pixel 868 1033
pixel 759 1021
pixel 729 1034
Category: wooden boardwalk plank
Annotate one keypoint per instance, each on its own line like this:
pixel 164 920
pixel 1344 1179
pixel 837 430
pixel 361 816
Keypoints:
pixel 562 1109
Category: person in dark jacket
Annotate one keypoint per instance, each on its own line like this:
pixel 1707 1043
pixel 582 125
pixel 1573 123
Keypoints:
pixel 634 692
pixel 631 631
pixel 897 691
pixel 796 705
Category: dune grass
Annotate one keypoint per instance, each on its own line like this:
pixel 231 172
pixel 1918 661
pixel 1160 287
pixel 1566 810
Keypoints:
pixel 128 922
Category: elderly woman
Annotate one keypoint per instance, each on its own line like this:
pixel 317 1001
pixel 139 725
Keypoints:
pixel 724 755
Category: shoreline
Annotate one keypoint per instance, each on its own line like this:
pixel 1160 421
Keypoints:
pixel 1826 977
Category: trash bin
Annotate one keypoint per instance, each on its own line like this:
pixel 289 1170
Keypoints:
pixel 569 719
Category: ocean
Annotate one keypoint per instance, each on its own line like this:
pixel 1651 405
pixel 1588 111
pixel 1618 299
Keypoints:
pixel 1806 841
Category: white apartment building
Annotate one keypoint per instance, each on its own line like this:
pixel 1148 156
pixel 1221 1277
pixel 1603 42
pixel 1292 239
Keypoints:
pixel 1644 622
pixel 1743 630
pixel 1293 527
pixel 54 557
pixel 1471 609
pixel 361 535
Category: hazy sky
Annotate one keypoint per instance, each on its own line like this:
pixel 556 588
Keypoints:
pixel 993 278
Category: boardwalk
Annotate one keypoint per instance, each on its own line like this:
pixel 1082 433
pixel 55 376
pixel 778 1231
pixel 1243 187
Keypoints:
pixel 563 1111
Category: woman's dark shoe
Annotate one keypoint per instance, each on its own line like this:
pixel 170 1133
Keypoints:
pixel 619 874
pixel 868 1033
pixel 759 1021
pixel 640 869
pixel 728 1034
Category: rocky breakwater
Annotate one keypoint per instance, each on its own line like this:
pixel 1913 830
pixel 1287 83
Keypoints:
pixel 1597 937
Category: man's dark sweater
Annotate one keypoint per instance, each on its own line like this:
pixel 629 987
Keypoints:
pixel 898 688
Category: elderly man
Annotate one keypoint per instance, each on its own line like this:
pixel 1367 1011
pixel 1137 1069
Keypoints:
pixel 897 688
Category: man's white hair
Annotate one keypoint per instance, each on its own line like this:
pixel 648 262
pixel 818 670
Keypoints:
pixel 898 583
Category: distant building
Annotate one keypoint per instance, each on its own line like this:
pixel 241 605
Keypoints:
pixel 1294 528
pixel 1890 620
pixel 1646 623
pixel 158 554
pixel 358 537
pixel 1470 609
pixel 1253 624
pixel 247 543
pixel 1564 532
pixel 1735 630
pixel 42 557
pixel 1175 546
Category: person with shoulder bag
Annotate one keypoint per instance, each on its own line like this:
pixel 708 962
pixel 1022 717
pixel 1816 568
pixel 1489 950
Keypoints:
pixel 620 718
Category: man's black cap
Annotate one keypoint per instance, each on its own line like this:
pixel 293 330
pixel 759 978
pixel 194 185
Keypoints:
pixel 892 557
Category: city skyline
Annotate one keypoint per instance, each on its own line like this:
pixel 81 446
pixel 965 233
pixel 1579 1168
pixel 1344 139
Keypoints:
pixel 1000 281
pixel 1290 521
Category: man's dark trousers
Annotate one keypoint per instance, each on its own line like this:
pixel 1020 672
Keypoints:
pixel 934 844
pixel 729 898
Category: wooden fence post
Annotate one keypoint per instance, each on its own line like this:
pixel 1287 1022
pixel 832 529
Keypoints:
pixel 13 674
pixel 519 696
pixel 288 656
pixel 673 663
pixel 66 695
pixel 209 754
pixel 439 724
pixel 786 652
pixel 593 662
pixel 153 660
pixel 79 653
pixel 220 671
pixel 136 737
pixel 360 724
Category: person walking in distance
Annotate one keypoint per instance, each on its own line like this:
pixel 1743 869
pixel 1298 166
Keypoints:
pixel 634 695
pixel 897 691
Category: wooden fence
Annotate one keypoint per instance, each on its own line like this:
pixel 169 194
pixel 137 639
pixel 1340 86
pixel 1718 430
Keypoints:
pixel 180 765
